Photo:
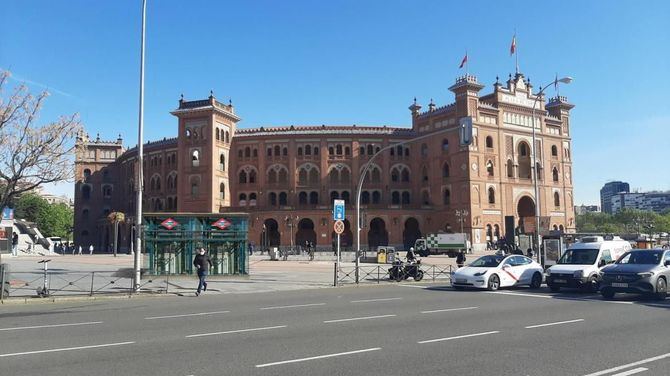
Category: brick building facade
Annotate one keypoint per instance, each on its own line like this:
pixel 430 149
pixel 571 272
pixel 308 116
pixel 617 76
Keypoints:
pixel 287 177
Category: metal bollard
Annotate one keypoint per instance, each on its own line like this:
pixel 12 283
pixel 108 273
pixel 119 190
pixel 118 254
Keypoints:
pixel 92 279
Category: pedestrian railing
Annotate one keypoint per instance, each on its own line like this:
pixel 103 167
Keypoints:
pixel 381 273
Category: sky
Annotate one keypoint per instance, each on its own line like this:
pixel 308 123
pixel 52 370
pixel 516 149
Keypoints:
pixel 353 62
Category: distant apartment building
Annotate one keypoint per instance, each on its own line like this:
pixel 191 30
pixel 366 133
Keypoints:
pixel 583 209
pixel 653 201
pixel 610 189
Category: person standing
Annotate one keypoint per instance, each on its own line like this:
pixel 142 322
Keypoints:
pixel 202 262
pixel 460 259
pixel 90 250
pixel 15 244
pixel 251 248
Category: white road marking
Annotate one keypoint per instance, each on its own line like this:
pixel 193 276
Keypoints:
pixel 358 318
pixel 458 337
pixel 66 349
pixel 634 364
pixel 556 297
pixel 186 315
pixel 631 372
pixel 51 326
pixel 374 300
pixel 519 294
pixel 294 306
pixel 236 331
pixel 317 357
pixel 449 310
pixel 554 323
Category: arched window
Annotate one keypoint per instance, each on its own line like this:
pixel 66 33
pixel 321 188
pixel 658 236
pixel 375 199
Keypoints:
pixel 285 151
pixel 195 187
pixel 365 197
pixel 395 198
pixel 282 176
pixel 395 176
pixel 277 151
pixel 188 133
pixel 399 150
pixel 376 197
pixel 300 150
pixel 489 168
pixel 334 176
pixel 308 150
pixel 222 191
pixel 445 145
pixel 510 168
pixel 554 151
pixel 370 150
pixel 272 176
pixel 247 152
pixel 243 199
pixel 406 152
pixel 302 176
pixel 195 158
pixel 345 176
pixel 446 197
pixel 338 149
pixel 334 195
pixel 492 195
pixel 84 214
pixel 273 199
pixel 302 198
pixel 425 198
pixel 405 198
pixel 227 137
pixel 376 175
pixel 347 150
pixel 283 198
pixel 361 150
pixel 87 174
pixel 554 174
pixel 218 134
pixel 314 176
pixel 252 199
pixel 252 176
pixel 424 150
pixel 424 174
pixel 314 198
pixel 242 177
pixel 316 150
pixel 557 200
pixel 239 154
pixel 489 142
pixel 405 175
pixel 538 170
pixel 331 151
pixel 445 170
pixel 392 152
pixel 523 149
pixel 345 197
pixel 222 162
pixel 255 153
pixel 269 152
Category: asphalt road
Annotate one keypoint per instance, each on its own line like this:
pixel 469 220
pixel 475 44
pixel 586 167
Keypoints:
pixel 406 329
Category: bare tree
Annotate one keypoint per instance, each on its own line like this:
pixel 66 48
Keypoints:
pixel 32 155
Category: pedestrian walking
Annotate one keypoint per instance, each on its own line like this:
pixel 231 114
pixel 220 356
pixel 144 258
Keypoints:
pixel 460 259
pixel 202 262
pixel 90 250
pixel 251 248
pixel 529 252
pixel 15 244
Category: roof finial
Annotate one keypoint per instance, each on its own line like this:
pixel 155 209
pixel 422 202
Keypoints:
pixel 230 101
pixel 181 96
pixel 211 94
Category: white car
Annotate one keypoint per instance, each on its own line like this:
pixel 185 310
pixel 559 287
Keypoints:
pixel 492 272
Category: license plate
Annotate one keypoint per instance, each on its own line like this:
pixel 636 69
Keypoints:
pixel 560 281
pixel 615 284
pixel 461 280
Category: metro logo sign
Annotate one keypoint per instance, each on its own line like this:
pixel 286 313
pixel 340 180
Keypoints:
pixel 169 223
pixel 222 224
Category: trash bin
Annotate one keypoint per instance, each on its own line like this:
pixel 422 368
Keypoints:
pixel 381 256
pixel 274 253
pixel 390 256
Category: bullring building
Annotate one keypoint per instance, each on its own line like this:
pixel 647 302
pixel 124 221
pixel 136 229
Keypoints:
pixel 287 177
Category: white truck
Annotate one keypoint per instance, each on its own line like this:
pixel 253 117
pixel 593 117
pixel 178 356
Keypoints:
pixel 449 244
pixel 579 266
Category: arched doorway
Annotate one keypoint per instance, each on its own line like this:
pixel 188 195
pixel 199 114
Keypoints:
pixel 377 235
pixel 526 213
pixel 411 232
pixel 270 236
pixel 305 233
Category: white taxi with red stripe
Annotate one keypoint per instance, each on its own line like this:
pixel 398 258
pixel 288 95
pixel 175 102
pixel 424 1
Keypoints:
pixel 494 271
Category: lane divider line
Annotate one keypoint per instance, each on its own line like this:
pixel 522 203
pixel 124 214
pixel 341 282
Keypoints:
pixel 634 364
pixel 374 300
pixel 631 372
pixel 317 357
pixel 293 306
pixel 358 318
pixel 236 331
pixel 519 294
pixel 186 315
pixel 554 323
pixel 51 326
pixel 449 310
pixel 458 337
pixel 66 349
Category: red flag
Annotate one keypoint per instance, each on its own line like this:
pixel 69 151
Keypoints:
pixel 512 48
pixel 465 60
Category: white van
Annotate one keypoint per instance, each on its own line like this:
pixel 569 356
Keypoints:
pixel 579 266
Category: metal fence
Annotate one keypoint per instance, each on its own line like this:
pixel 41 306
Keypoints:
pixel 381 273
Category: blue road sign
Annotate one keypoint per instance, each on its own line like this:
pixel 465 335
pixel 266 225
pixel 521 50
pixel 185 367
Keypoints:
pixel 8 213
pixel 338 210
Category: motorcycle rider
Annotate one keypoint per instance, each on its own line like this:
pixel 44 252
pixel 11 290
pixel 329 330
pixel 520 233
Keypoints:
pixel 410 256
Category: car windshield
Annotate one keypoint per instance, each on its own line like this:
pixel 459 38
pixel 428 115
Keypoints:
pixel 579 257
pixel 487 262
pixel 641 257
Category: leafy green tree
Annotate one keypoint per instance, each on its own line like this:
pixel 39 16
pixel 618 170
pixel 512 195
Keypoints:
pixel 29 206
pixel 51 219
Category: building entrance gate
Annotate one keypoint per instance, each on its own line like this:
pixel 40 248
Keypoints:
pixel 171 245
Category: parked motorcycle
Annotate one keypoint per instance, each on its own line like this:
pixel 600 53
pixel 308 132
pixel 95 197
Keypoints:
pixel 403 270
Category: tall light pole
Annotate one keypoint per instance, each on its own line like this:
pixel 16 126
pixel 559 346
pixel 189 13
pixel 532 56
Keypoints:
pixel 565 80
pixel 461 215
pixel 140 161
pixel 359 186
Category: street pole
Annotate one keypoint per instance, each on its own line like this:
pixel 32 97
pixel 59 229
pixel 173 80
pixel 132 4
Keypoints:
pixel 140 161
pixel 359 186
pixel 535 171
pixel 116 236
pixel 337 267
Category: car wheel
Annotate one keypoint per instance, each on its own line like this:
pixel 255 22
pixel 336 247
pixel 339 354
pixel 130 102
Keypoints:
pixel 554 288
pixel 661 289
pixel 593 284
pixel 607 294
pixel 494 282
pixel 536 282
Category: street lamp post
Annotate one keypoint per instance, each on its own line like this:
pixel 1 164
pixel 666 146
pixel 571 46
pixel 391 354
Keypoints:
pixel 461 215
pixel 359 186
pixel 140 157
pixel 565 80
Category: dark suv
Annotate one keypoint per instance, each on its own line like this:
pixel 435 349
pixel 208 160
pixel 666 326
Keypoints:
pixel 640 271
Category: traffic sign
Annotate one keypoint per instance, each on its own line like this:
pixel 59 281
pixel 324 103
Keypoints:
pixel 222 224
pixel 338 227
pixel 338 210
pixel 169 223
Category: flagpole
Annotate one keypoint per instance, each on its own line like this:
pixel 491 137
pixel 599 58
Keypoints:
pixel 466 63
pixel 516 53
